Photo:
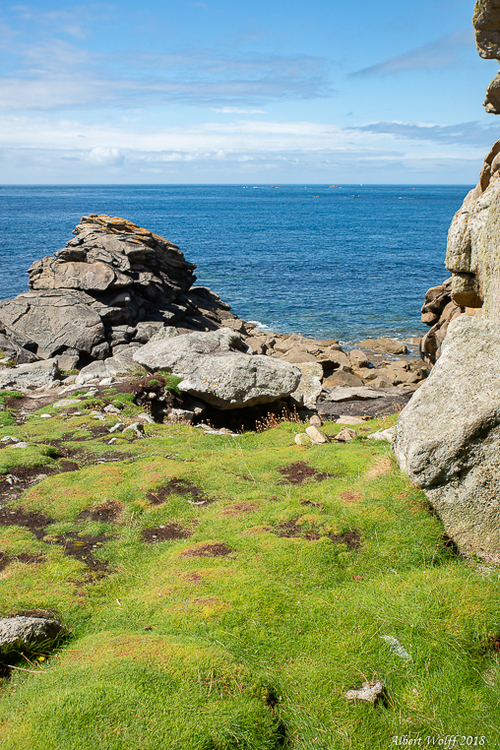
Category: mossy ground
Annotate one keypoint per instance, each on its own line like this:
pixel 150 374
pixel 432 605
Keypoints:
pixel 264 603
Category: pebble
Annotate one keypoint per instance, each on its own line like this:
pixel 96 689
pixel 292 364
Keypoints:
pixel 107 381
pixel 146 418
pixel 45 416
pixel 116 427
pixel 113 440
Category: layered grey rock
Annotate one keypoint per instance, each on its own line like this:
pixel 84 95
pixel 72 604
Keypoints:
pixel 113 284
pixel 215 369
pixel 448 437
pixel 30 376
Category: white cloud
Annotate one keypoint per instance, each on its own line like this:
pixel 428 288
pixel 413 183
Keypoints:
pixel 107 156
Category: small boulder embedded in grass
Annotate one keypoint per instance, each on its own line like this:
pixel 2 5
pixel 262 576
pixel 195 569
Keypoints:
pixel 315 420
pixel 303 439
pixel 22 633
pixel 369 692
pixel 345 435
pixel 316 436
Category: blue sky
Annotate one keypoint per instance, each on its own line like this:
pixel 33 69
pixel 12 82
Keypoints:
pixel 220 91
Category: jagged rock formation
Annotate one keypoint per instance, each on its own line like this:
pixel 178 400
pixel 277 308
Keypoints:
pixel 113 284
pixel 438 310
pixel 486 22
pixel 471 257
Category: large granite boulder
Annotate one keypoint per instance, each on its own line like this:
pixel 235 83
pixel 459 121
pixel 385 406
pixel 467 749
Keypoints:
pixel 486 22
pixel 448 436
pixel 215 369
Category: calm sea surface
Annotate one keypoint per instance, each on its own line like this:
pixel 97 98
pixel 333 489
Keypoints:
pixel 346 263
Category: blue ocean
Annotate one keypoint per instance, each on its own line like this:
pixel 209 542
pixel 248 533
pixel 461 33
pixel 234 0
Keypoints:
pixel 346 263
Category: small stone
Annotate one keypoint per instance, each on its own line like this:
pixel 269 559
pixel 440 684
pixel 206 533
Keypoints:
pixel 303 439
pixel 345 434
pixel 45 416
pixel 110 409
pixel 370 692
pixel 146 418
pixel 315 420
pixel 19 445
pixel 113 440
pixel 10 439
pixel 316 436
pixel 19 632
pixel 116 427
pixel 107 381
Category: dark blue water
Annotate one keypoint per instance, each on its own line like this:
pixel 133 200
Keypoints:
pixel 344 263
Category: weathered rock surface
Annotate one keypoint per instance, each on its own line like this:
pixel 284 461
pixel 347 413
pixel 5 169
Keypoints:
pixel 112 284
pixel 448 437
pixel 486 21
pixel 30 376
pixel 215 369
pixel 25 633
pixel 310 386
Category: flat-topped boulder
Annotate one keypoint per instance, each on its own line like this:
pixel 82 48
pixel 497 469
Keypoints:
pixel 216 369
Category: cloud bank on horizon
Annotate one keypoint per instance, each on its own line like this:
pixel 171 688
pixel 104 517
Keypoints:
pixel 212 92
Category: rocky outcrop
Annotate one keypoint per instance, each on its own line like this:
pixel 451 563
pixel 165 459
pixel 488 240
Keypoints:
pixel 216 369
pixel 472 258
pixel 448 437
pixel 486 22
pixel 113 284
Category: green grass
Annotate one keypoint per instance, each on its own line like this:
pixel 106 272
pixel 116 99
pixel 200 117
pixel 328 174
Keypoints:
pixel 175 649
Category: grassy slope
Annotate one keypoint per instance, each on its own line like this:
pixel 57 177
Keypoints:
pixel 175 647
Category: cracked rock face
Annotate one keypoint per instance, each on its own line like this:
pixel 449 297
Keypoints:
pixel 113 284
